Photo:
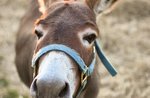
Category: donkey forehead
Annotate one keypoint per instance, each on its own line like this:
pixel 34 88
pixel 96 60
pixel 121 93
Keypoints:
pixel 68 14
pixel 63 21
pixel 67 20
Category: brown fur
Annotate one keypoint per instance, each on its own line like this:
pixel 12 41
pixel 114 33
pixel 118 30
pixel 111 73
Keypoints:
pixel 63 21
pixel 25 43
pixel 63 29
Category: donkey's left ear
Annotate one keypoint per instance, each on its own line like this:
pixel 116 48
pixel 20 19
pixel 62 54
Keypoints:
pixel 99 6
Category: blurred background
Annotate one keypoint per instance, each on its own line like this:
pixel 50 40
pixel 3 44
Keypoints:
pixel 125 34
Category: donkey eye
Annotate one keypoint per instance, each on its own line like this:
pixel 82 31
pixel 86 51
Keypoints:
pixel 38 33
pixel 90 38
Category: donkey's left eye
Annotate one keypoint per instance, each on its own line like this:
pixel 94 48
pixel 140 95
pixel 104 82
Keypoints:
pixel 90 38
pixel 38 33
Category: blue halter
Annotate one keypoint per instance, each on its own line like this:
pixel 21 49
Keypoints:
pixel 72 53
pixel 85 70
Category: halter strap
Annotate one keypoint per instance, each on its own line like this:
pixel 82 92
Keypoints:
pixel 85 70
pixel 104 59
pixel 72 53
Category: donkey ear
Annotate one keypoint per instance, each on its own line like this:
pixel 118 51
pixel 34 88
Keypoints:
pixel 42 6
pixel 99 6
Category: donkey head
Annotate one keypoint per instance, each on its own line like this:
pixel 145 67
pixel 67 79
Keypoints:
pixel 71 24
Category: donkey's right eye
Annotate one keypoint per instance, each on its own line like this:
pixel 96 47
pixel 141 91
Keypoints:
pixel 90 38
pixel 38 33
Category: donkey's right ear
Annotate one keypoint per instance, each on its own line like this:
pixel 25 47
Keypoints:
pixel 42 6
pixel 99 6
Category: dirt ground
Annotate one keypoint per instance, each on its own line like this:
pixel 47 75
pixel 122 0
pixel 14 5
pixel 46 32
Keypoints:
pixel 125 34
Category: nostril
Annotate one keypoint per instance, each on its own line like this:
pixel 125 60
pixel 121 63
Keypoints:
pixel 64 91
pixel 33 88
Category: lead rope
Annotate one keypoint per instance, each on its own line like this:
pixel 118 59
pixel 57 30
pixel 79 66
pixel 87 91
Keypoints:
pixel 104 60
pixel 81 88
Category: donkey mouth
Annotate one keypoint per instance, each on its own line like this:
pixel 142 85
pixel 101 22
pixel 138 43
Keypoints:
pixel 50 97
pixel 49 91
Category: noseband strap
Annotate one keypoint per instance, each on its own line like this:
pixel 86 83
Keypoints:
pixel 85 70
pixel 72 53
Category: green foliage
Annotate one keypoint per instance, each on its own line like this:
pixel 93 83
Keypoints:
pixel 1 58
pixel 25 96
pixel 11 94
pixel 3 83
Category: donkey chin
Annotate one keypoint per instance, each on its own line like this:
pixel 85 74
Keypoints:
pixel 56 78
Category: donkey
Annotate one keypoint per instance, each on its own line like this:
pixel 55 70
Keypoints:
pixel 62 46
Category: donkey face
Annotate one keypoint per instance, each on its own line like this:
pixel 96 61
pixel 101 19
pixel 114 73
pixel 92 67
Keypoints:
pixel 69 23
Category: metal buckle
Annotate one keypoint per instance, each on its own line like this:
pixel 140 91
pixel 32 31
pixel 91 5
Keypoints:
pixel 83 78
